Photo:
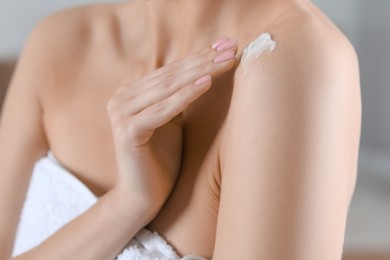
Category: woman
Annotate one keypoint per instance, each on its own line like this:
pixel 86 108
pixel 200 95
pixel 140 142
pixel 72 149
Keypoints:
pixel 261 165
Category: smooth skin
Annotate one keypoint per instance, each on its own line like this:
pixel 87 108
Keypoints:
pixel 259 165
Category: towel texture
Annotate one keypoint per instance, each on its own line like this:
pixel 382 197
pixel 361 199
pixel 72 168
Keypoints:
pixel 55 197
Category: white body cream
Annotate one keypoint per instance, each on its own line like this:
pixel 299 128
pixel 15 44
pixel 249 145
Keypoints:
pixel 261 44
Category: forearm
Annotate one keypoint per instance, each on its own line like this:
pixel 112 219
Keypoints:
pixel 145 174
pixel 99 233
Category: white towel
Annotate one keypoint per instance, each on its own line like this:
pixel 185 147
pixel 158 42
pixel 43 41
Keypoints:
pixel 55 197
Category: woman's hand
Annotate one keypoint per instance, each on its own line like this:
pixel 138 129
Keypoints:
pixel 147 127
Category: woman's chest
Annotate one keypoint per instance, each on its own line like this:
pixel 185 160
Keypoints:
pixel 78 127
pixel 79 134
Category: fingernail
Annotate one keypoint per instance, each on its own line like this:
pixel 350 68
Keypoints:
pixel 219 42
pixel 203 80
pixel 227 45
pixel 225 57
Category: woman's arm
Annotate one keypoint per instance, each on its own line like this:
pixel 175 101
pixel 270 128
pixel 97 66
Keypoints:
pixel 146 172
pixel 22 139
pixel 289 153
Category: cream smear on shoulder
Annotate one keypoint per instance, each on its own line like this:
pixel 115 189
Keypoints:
pixel 257 47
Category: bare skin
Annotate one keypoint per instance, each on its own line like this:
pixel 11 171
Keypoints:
pixel 295 118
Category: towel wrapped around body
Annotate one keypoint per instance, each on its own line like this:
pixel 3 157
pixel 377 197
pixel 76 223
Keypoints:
pixel 55 197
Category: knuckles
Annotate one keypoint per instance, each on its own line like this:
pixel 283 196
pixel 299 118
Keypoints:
pixel 160 107
pixel 111 104
pixel 125 131
pixel 125 128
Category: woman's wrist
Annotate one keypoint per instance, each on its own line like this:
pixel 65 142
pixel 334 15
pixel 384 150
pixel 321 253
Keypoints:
pixel 127 211
pixel 144 179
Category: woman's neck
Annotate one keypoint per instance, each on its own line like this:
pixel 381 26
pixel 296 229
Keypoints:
pixel 178 26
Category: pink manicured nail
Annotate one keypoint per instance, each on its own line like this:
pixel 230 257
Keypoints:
pixel 219 42
pixel 203 80
pixel 227 45
pixel 225 57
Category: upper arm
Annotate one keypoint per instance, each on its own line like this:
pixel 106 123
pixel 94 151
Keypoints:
pixel 289 154
pixel 22 137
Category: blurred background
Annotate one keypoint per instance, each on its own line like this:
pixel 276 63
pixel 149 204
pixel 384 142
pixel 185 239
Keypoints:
pixel 367 25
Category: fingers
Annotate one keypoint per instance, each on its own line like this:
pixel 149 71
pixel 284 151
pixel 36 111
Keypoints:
pixel 196 58
pixel 165 89
pixel 162 112
pixel 159 88
pixel 193 60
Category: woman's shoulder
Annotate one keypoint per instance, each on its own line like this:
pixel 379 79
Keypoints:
pixel 312 72
pixel 310 49
pixel 308 38
pixel 69 30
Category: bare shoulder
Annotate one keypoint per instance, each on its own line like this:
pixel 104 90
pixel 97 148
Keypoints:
pixel 308 45
pixel 313 62
pixel 70 31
